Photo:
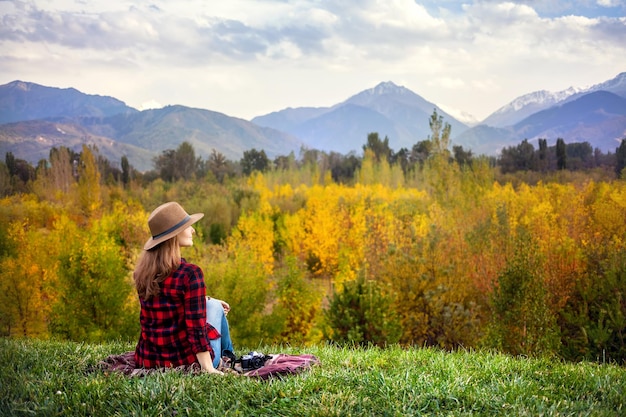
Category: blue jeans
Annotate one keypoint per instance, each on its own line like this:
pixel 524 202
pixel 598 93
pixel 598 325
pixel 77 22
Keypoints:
pixel 215 317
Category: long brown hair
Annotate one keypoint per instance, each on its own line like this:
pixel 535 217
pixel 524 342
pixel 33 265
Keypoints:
pixel 154 265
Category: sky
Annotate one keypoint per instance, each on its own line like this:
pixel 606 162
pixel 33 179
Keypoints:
pixel 249 58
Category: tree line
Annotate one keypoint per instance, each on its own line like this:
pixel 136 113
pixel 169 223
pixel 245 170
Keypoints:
pixel 182 163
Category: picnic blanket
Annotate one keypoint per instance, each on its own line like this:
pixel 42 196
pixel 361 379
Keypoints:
pixel 283 364
pixel 278 365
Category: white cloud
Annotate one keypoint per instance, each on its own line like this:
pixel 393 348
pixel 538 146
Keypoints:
pixel 150 104
pixel 449 83
pixel 403 14
pixel 245 57
pixel 610 3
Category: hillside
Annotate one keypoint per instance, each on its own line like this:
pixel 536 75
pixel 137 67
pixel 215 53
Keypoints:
pixel 34 119
pixel 32 141
pixel 21 101
pixel 166 128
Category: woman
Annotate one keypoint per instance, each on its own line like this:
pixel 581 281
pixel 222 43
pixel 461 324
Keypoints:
pixel 174 327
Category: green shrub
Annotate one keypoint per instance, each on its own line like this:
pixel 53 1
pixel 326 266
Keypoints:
pixel 522 322
pixel 363 313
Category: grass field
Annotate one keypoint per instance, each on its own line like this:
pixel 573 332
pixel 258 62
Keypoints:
pixel 44 378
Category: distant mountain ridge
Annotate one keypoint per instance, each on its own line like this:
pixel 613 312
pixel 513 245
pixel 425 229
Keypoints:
pixel 598 117
pixel 589 118
pixel 391 111
pixel 32 140
pixel 20 101
pixel 205 130
pixel 403 116
pixel 524 106
pixel 34 118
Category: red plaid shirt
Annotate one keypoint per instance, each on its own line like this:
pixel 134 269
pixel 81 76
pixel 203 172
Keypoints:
pixel 173 323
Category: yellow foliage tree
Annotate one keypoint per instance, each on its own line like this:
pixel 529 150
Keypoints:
pixel 254 235
pixel 89 191
pixel 27 283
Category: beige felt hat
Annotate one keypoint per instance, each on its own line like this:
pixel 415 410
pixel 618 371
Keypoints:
pixel 168 220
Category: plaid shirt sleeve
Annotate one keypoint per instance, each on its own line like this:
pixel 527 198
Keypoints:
pixel 173 324
pixel 199 331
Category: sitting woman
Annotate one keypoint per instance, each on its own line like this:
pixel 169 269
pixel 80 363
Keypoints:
pixel 180 325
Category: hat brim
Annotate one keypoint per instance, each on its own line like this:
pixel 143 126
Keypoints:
pixel 151 243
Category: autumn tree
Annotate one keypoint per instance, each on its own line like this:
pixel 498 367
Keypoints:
pixel 285 162
pixel 94 286
pixel 89 191
pixel 380 148
pixel 125 171
pixel 363 313
pixel 20 172
pixel 462 156
pixel 440 176
pixel 402 158
pixel 234 274
pixel 420 152
pixel 5 180
pixel 579 155
pixel 595 315
pixel 518 158
pixel 620 159
pixel 218 165
pixel 297 305
pixel 254 160
pixel 165 165
pixel 561 154
pixel 173 165
pixel 522 322
pixel 342 167
pixel 594 318
pixel 367 174
pixel 185 160
pixel 63 169
pixel 27 283
pixel 542 155
pixel 440 133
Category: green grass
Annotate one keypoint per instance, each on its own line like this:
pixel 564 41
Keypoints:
pixel 46 378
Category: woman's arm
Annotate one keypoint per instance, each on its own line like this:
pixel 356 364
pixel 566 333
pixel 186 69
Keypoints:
pixel 195 319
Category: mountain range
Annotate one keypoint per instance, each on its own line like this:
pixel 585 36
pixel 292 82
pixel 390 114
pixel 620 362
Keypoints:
pixel 390 110
pixel 35 118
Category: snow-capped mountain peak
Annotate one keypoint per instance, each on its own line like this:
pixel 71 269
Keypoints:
pixel 386 87
pixel 617 83
pixel 538 98
pixel 385 90
pixel 528 104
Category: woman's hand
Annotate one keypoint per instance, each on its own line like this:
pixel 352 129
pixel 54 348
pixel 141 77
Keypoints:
pixel 224 304
pixel 206 363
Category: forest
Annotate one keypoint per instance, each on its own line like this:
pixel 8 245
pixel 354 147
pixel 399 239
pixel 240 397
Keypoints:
pixel 524 254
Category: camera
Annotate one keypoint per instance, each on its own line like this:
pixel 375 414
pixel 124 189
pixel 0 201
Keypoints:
pixel 253 360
